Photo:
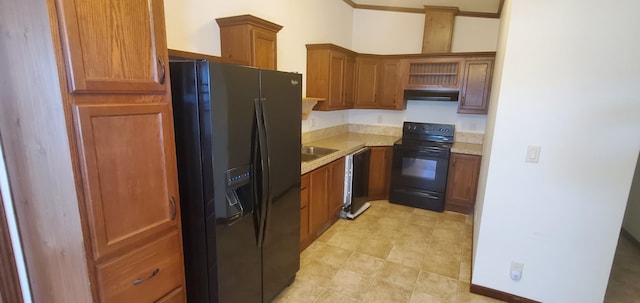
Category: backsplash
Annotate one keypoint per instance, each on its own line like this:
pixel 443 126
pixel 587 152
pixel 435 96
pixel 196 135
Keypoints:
pixel 462 137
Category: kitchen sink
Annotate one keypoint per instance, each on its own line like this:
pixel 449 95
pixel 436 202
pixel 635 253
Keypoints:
pixel 310 153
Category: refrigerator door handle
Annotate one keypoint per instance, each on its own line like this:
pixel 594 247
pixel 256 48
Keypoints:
pixel 264 166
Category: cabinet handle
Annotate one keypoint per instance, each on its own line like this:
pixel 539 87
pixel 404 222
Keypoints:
pixel 172 201
pixel 153 274
pixel 163 72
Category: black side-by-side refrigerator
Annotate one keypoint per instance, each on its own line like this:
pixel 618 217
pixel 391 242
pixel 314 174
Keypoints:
pixel 238 151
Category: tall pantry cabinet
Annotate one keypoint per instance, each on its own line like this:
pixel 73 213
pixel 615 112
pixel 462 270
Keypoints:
pixel 112 64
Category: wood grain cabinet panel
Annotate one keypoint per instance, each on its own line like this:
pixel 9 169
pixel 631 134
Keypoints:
pixel 176 296
pixel 438 29
pixel 388 96
pixel 318 200
pixel 476 87
pixel 380 172
pixel 114 46
pixel 128 171
pixel 336 189
pixel 249 40
pixel 366 77
pixel 330 76
pixel 305 238
pixel 462 182
pixel 144 275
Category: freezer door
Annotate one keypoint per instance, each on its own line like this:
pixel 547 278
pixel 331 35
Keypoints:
pixel 281 98
pixel 233 90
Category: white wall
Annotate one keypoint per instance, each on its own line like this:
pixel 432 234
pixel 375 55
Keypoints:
pixel 564 85
pixel 383 32
pixel 191 25
pixel 472 34
pixel 631 221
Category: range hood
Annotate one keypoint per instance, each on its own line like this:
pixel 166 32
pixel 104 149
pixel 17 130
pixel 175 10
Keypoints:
pixel 431 95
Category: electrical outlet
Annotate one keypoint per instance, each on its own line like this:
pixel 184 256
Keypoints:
pixel 516 271
pixel 379 118
pixel 313 123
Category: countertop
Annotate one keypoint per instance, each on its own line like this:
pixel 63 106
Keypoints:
pixel 467 148
pixel 345 144
pixel 349 142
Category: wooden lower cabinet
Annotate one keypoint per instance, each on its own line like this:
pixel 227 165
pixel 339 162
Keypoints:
pixel 305 237
pixel 322 193
pixel 380 172
pixel 144 275
pixel 336 189
pixel 462 182
pixel 176 296
pixel 318 199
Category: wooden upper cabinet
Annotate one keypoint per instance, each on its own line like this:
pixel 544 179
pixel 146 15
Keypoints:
pixel 249 40
pixel 434 73
pixel 378 83
pixel 366 77
pixel 128 171
pixel 389 92
pixel 349 82
pixel 476 87
pixel 330 76
pixel 114 46
pixel 438 29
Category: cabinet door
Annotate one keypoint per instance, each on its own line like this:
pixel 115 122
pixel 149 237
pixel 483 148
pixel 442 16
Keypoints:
pixel 336 79
pixel 176 296
pixel 336 190
pixel 128 167
pixel 318 199
pixel 304 212
pixel 476 87
pixel 462 182
pixel 388 85
pixel 264 49
pixel 379 172
pixel 366 77
pixel 115 45
pixel 349 82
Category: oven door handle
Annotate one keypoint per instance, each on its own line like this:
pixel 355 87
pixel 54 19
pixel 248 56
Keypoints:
pixel 428 196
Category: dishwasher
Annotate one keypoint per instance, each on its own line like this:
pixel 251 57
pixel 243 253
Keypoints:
pixel 356 183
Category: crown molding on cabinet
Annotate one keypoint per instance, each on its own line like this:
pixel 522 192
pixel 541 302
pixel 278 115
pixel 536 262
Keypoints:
pixel 495 15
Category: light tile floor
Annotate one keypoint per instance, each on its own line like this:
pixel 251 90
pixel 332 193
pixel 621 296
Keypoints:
pixel 390 253
pixel 624 281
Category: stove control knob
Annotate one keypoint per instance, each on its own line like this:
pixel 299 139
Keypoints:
pixel 441 129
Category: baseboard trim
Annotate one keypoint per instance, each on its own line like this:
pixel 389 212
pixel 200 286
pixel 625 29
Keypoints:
pixel 631 238
pixel 499 295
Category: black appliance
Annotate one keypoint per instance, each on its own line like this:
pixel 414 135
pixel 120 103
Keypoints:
pixel 356 183
pixel 420 165
pixel 238 151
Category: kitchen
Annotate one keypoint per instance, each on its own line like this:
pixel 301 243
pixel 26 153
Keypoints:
pixel 511 126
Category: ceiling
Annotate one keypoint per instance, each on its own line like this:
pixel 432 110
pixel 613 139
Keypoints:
pixel 479 6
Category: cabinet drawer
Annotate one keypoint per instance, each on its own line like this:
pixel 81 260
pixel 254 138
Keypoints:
pixel 176 296
pixel 144 275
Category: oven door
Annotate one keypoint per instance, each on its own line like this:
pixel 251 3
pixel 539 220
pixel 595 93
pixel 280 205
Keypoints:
pixel 419 168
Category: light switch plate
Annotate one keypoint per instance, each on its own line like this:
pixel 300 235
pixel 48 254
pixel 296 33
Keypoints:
pixel 533 154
